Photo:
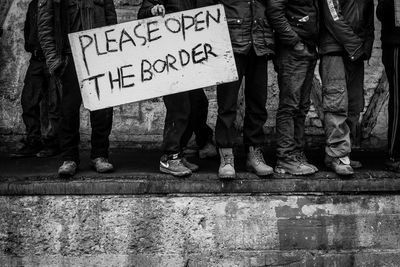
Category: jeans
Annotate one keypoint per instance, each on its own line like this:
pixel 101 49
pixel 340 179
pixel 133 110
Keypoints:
pixel 390 59
pixel 343 100
pixel 254 68
pixel 295 75
pixel 186 114
pixel 39 90
pixel 100 120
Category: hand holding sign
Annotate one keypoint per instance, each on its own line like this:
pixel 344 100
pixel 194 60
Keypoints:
pixel 158 10
pixel 149 58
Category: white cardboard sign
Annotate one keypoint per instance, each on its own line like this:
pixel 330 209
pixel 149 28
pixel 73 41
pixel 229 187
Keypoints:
pixel 397 12
pixel 153 57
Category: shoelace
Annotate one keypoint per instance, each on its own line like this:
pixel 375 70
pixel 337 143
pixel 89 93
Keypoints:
pixel 228 160
pixel 258 156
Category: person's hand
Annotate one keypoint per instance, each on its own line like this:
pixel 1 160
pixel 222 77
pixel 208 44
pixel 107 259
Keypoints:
pixel 158 10
pixel 299 46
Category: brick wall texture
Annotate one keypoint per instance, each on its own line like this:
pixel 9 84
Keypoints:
pixel 141 123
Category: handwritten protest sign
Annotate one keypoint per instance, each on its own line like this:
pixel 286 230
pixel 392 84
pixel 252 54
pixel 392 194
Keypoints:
pixel 153 57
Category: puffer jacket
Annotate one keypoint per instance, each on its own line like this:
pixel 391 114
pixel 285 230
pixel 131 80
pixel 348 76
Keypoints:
pixel 57 18
pixel 390 33
pixel 294 21
pixel 347 26
pixel 248 25
pixel 171 6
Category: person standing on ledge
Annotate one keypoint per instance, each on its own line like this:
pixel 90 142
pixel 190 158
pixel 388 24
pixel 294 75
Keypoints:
pixel 39 90
pixel 186 111
pixel 252 42
pixel 57 18
pixel 388 12
pixel 296 26
pixel 346 40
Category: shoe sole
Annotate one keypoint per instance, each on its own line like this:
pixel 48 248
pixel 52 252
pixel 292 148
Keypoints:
pixel 338 173
pixel 227 177
pixel 283 171
pixel 252 170
pixel 178 174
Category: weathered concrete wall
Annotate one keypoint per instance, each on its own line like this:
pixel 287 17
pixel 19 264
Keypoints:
pixel 142 123
pixel 204 230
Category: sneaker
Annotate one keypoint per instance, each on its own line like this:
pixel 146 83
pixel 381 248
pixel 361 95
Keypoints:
pixel 193 167
pixel 393 165
pixel 355 164
pixel 173 164
pixel 68 168
pixel 227 166
pixel 48 152
pixel 302 158
pixel 101 165
pixel 340 166
pixel 255 162
pixel 208 151
pixel 27 150
pixel 294 166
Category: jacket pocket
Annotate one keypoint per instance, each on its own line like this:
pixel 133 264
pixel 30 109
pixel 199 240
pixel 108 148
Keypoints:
pixel 235 26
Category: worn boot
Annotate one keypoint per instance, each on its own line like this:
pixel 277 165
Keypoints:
pixel 208 151
pixel 227 166
pixel 68 168
pixel 302 158
pixel 101 165
pixel 255 162
pixel 173 164
pixel 191 166
pixel 355 164
pixel 28 149
pixel 341 166
pixel 294 166
pixel 393 165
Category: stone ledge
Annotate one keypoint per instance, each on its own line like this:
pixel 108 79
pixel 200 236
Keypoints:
pixel 137 175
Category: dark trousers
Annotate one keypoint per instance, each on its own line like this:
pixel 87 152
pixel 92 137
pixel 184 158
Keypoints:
pixel 40 96
pixel 343 100
pixel 100 120
pixel 390 59
pixel 186 114
pixel 254 68
pixel 295 75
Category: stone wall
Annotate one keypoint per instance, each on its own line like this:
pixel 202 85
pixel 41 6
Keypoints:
pixel 141 124
pixel 204 230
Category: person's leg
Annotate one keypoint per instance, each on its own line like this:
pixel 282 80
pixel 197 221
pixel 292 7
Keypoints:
pixel 176 123
pixel 70 114
pixel 255 113
pixel 198 117
pixel 51 140
pixel 30 101
pixel 225 132
pixel 390 59
pixel 335 104
pixel 355 91
pixel 295 73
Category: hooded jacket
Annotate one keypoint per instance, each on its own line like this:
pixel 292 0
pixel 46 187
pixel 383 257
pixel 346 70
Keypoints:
pixel 57 18
pixel 347 27
pixel 386 14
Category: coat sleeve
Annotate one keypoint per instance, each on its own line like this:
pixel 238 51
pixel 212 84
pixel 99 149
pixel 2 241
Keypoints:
pixel 27 27
pixel 370 29
pixel 276 16
pixel 46 34
pixel 147 5
pixel 340 29
pixel 110 14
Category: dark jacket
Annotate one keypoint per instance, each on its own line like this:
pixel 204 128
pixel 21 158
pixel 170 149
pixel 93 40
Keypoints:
pixel 248 25
pixel 57 18
pixel 294 21
pixel 390 33
pixel 32 43
pixel 171 6
pixel 347 27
